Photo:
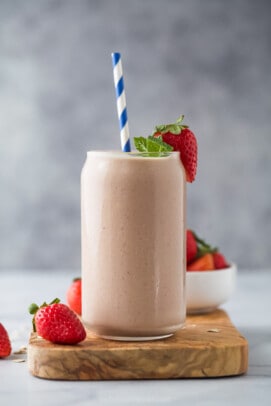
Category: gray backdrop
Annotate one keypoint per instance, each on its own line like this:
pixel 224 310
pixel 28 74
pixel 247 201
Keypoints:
pixel 210 60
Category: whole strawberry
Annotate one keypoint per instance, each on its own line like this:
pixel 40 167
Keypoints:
pixel 57 323
pixel 74 296
pixel 5 346
pixel 219 260
pixel 182 139
pixel 191 246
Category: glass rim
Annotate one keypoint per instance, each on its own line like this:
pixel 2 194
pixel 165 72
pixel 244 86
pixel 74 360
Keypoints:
pixel 132 154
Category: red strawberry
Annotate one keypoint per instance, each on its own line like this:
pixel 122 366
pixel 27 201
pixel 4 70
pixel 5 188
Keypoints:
pixel 207 257
pixel 74 296
pixel 191 246
pixel 5 346
pixel 56 322
pixel 181 139
pixel 220 261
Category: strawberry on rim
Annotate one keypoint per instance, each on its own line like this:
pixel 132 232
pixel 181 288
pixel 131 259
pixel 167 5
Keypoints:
pixel 182 139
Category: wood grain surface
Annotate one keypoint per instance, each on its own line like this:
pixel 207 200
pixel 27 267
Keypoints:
pixel 208 346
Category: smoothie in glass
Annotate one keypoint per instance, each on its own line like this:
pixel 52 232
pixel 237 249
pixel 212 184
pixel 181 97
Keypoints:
pixel 133 245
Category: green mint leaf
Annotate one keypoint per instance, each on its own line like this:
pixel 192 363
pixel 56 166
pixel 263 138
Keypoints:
pixel 158 141
pixel 141 144
pixel 152 146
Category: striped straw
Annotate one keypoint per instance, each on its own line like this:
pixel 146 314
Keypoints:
pixel 121 102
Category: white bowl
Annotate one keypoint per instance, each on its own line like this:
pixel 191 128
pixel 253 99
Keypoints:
pixel 206 290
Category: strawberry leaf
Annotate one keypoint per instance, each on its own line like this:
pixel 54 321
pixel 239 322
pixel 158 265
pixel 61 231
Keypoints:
pixel 33 308
pixel 202 247
pixel 160 128
pixel 173 128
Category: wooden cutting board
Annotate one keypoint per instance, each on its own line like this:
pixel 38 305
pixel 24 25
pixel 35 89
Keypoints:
pixel 208 346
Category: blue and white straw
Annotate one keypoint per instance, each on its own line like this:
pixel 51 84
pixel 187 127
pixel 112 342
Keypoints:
pixel 121 102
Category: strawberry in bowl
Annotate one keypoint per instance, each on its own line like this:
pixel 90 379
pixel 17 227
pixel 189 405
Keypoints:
pixel 201 256
pixel 210 278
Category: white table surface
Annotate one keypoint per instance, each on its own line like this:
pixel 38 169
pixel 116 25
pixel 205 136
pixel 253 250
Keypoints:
pixel 249 309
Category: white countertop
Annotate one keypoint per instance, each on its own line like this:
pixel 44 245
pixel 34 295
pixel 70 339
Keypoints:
pixel 249 309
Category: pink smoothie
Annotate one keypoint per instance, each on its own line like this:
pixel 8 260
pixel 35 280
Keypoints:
pixel 133 245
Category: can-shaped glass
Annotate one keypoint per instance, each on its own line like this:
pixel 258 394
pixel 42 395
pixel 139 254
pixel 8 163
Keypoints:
pixel 133 212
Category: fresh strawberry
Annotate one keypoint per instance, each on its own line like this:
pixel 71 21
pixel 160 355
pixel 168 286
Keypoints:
pixel 191 246
pixel 57 323
pixel 181 139
pixel 220 261
pixel 204 263
pixel 74 296
pixel 5 346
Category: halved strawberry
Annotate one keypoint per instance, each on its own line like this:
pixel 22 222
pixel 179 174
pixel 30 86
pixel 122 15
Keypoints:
pixel 204 263
pixel 181 139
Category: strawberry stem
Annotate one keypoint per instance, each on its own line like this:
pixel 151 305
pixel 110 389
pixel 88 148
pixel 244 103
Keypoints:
pixel 180 119
pixel 56 300
pixel 202 247
pixel 33 308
